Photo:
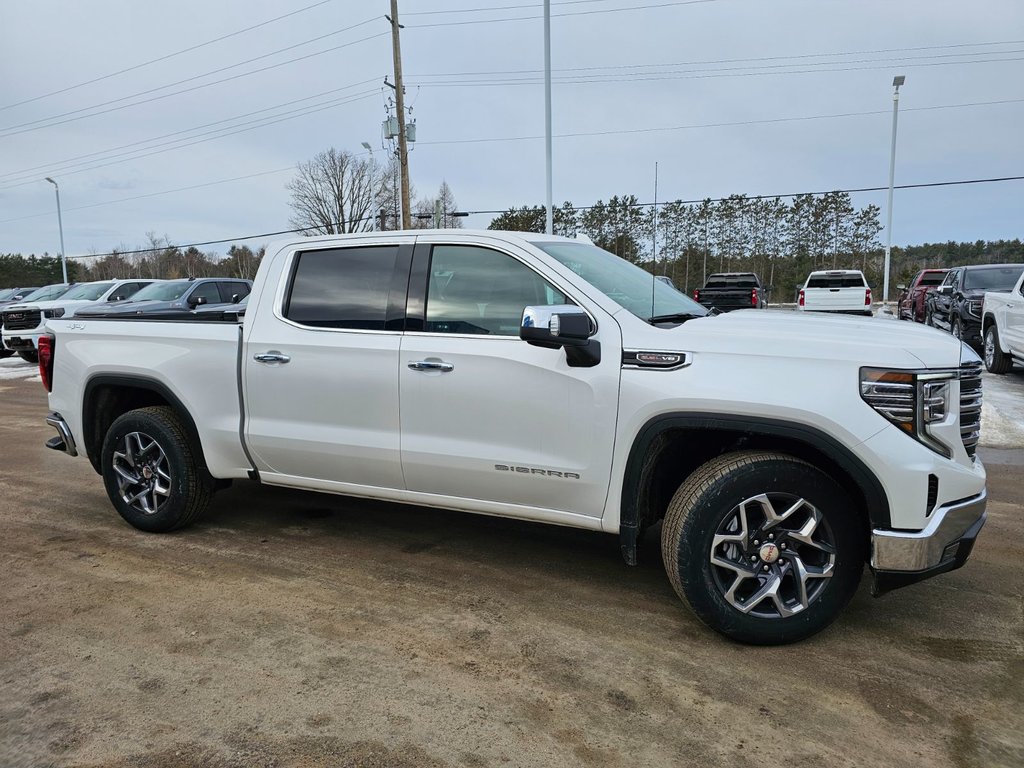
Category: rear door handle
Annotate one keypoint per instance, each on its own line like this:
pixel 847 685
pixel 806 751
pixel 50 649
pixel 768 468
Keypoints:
pixel 271 358
pixel 432 365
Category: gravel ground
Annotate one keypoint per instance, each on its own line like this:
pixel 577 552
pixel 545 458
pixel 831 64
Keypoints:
pixel 298 629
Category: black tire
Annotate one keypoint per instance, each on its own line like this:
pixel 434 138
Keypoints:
pixel 996 361
pixel 928 319
pixel 29 357
pixel 957 328
pixel 183 495
pixel 4 352
pixel 710 500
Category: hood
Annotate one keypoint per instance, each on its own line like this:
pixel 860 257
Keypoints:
pixel 759 333
pixel 51 304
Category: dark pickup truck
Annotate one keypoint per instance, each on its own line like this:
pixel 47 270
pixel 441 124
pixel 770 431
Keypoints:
pixel 732 290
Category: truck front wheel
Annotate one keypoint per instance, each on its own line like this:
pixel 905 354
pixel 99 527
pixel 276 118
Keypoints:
pixel 765 548
pixel 150 471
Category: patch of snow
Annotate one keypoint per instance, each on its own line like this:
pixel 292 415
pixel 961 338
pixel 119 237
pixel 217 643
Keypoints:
pixel 1002 410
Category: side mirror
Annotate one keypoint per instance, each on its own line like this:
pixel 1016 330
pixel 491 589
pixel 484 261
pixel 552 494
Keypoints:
pixel 116 298
pixel 945 289
pixel 901 287
pixel 235 298
pixel 561 325
pixel 197 301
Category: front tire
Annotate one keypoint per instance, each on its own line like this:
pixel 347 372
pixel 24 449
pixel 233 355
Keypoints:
pixel 996 361
pixel 957 329
pixel 929 319
pixel 151 473
pixel 765 548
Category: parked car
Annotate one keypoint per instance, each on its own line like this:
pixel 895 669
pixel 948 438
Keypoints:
pixel 911 302
pixel 175 298
pixel 24 323
pixel 526 376
pixel 35 294
pixel 955 306
pixel 10 296
pixel 15 295
pixel 726 291
pixel 836 290
pixel 1003 328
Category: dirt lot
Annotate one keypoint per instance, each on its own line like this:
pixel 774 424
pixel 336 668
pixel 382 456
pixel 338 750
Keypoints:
pixel 293 629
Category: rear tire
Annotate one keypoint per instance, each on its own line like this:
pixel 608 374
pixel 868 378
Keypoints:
pixel 4 352
pixel 29 357
pixel 928 319
pixel 151 473
pixel 996 361
pixel 717 543
pixel 957 329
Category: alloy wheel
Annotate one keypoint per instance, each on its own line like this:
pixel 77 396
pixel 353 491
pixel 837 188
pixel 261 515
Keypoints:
pixel 772 555
pixel 143 473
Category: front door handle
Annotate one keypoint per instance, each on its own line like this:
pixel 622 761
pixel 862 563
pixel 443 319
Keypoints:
pixel 432 365
pixel 271 358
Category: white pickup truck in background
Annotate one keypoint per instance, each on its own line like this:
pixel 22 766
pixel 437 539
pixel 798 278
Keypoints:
pixel 545 379
pixel 837 290
pixel 1002 328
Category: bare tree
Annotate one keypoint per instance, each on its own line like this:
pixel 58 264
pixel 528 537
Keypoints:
pixel 334 193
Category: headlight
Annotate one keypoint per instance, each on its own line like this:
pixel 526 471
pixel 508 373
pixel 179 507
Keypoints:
pixel 974 307
pixel 912 400
pixel 53 312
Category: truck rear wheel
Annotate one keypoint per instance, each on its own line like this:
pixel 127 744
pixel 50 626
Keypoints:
pixel 150 471
pixel 765 548
pixel 996 361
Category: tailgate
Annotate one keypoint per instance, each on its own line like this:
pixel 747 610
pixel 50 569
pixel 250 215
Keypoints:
pixel 834 298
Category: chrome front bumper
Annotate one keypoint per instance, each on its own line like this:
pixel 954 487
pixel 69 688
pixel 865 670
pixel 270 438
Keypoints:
pixel 938 546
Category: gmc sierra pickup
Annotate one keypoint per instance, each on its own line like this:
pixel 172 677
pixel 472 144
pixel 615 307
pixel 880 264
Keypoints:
pixel 1003 328
pixel 545 379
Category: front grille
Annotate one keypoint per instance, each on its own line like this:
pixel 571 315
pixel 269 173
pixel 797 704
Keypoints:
pixel 970 406
pixel 21 320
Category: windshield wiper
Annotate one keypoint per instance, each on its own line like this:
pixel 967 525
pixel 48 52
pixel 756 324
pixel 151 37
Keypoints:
pixel 677 317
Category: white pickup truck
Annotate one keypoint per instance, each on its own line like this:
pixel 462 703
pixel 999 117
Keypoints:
pixel 1002 324
pixel 545 379
pixel 836 290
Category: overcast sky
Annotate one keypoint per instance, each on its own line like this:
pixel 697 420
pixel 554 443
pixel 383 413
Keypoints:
pixel 708 90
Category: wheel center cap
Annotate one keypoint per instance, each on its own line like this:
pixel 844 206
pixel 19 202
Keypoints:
pixel 769 553
pixel 147 473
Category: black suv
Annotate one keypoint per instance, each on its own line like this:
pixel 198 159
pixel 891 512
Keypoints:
pixel 955 306
pixel 174 298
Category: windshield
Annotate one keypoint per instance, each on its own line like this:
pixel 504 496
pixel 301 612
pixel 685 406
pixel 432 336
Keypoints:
pixel 87 291
pixel 993 278
pixel 626 284
pixel 932 278
pixel 162 291
pixel 48 292
pixel 7 293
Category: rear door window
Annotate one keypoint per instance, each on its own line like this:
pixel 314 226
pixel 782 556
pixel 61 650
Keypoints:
pixel 229 290
pixel 342 287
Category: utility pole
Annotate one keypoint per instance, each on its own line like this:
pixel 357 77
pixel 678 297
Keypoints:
pixel 549 218
pixel 896 83
pixel 403 148
pixel 60 226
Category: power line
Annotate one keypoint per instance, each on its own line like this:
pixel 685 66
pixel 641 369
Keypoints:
pixel 222 134
pixel 167 56
pixel 605 69
pixel 67 163
pixel 580 208
pixel 765 121
pixel 560 15
pixel 27 127
pixel 499 8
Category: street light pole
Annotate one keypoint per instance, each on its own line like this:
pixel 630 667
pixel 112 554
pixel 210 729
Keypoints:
pixel 60 228
pixel 896 83
pixel 373 181
pixel 549 216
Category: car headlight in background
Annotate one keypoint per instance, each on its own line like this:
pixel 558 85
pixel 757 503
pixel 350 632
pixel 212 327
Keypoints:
pixel 974 307
pixel 54 313
pixel 912 400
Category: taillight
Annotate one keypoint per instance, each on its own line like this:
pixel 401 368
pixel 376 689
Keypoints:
pixel 44 348
pixel 867 297
pixel 696 294
pixel 801 299
pixel 753 297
